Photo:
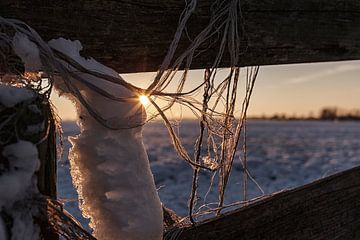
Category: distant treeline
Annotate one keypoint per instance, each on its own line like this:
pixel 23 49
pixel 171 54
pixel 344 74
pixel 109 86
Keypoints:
pixel 333 113
pixel 326 113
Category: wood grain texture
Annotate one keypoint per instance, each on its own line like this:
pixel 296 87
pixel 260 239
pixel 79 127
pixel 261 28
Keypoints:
pixel 325 209
pixel 134 35
pixel 47 174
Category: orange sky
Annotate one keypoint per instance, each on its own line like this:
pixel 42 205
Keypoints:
pixel 296 89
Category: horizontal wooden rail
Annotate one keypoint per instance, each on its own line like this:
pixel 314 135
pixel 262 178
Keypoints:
pixel 134 35
pixel 325 209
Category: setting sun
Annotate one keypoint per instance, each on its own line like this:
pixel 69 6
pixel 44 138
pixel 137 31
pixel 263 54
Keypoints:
pixel 144 100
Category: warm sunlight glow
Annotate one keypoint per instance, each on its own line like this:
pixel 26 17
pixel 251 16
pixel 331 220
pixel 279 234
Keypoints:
pixel 144 100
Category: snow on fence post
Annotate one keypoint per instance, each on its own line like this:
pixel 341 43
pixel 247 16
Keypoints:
pixel 27 164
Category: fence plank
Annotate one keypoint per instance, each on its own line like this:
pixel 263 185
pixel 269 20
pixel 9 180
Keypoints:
pixel 134 35
pixel 325 209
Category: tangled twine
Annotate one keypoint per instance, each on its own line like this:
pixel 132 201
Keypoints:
pixel 220 128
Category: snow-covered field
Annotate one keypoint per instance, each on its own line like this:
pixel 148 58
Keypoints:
pixel 280 155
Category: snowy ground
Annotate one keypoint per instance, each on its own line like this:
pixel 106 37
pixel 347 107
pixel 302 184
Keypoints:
pixel 280 155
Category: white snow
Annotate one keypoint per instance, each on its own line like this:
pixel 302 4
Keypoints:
pixel 10 95
pixel 24 227
pixel 281 155
pixel 112 174
pixel 73 48
pixel 19 184
pixel 27 51
pixel 110 168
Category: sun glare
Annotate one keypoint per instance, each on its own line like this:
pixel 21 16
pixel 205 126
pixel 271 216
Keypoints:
pixel 144 100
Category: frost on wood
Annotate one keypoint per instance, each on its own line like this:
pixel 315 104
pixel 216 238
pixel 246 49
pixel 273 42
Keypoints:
pixel 110 168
